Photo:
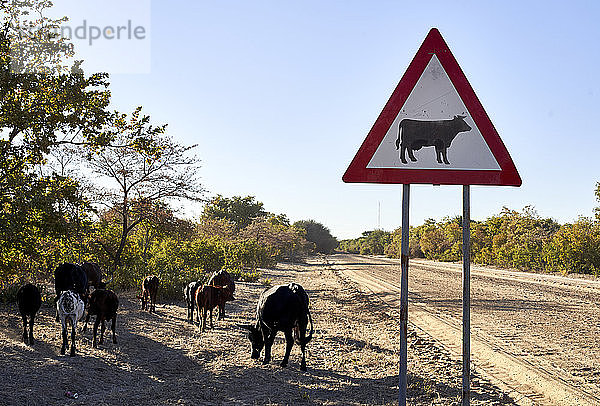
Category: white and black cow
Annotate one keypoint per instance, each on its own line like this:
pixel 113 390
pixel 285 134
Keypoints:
pixel 281 308
pixel 70 308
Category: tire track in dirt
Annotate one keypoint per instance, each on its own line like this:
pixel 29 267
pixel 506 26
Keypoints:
pixel 502 353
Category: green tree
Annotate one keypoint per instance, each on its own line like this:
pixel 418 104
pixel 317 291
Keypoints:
pixel 375 242
pixel 576 247
pixel 318 234
pixel 43 104
pixel 241 211
pixel 597 193
pixel 144 167
pixel 277 236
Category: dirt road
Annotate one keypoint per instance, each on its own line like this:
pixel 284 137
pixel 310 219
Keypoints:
pixel 537 336
pixel 160 359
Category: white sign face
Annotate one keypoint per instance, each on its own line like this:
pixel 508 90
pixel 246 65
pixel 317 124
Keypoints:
pixel 434 130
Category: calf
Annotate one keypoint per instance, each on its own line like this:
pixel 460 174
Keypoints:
pixel 281 308
pixel 103 304
pixel 29 301
pixel 70 308
pixel 189 292
pixel 149 289
pixel 94 276
pixel 207 298
pixel 415 134
pixel 222 278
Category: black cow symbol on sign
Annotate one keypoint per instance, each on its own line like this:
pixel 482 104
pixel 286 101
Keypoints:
pixel 415 134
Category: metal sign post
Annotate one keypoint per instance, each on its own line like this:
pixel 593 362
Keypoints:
pixel 466 302
pixel 404 295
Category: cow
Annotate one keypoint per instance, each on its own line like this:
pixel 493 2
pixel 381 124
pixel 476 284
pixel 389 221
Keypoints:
pixel 149 290
pixel 415 134
pixel 189 292
pixel 29 301
pixel 103 303
pixel 281 308
pixel 207 298
pixel 70 309
pixel 94 275
pixel 70 277
pixel 224 279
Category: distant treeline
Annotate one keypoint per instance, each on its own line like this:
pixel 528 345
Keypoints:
pixel 511 239
pixel 235 233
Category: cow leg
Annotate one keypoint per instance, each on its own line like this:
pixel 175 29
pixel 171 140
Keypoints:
pixel 73 325
pixel 56 308
pixel 269 338
pixel 24 328
pixel 438 154
pixel 31 329
pixel 289 343
pixel 403 154
pixel 102 331
pixel 302 339
pixel 114 323
pixel 64 338
pixel 87 318
pixel 445 156
pixel 211 322
pixel 96 323
pixel 203 324
pixel 411 155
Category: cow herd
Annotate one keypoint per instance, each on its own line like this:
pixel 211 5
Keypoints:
pixel 280 308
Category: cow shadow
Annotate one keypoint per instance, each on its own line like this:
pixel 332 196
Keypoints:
pixel 360 344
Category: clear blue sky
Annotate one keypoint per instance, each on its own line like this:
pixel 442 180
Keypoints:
pixel 279 95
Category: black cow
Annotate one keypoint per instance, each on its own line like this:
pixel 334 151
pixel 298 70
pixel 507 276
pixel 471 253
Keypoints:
pixel 281 308
pixel 415 134
pixel 29 301
pixel 70 277
pixel 189 292
pixel 104 304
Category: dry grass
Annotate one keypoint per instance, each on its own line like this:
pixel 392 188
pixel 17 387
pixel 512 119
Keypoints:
pixel 160 359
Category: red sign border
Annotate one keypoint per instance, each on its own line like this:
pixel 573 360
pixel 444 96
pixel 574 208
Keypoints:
pixel 358 172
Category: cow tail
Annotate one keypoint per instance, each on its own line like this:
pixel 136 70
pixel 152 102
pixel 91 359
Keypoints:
pixel 399 134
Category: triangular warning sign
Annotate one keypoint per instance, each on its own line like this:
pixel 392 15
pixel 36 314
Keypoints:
pixel 433 129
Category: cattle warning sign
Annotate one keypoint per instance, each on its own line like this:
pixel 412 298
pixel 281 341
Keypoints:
pixel 433 130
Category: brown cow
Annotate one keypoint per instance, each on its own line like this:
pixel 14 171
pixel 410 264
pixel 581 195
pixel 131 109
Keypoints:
pixel 149 289
pixel 207 298
pixel 223 278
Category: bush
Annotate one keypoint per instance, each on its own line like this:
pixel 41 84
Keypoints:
pixel 576 248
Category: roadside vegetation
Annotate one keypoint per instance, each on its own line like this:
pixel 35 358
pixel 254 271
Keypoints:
pixel 81 182
pixel 512 239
